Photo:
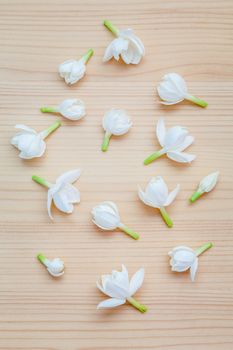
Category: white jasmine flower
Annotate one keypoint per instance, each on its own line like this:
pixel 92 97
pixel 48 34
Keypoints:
pixel 62 193
pixel 156 195
pixel 173 142
pixel 73 70
pixel 172 89
pixel 30 143
pixel 118 287
pixel 115 122
pixel 55 267
pixel 206 185
pixel 106 216
pixel 127 45
pixel 184 258
pixel 72 109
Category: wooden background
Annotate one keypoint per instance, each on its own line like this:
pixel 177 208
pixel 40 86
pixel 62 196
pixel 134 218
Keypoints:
pixel 193 38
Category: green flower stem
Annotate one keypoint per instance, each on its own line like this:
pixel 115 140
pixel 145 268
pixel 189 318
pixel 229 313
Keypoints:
pixel 128 231
pixel 166 217
pixel 196 100
pixel 111 27
pixel 88 55
pixel 50 129
pixel 42 259
pixel 203 248
pixel 105 143
pixel 142 308
pixel 48 109
pixel 41 181
pixel 195 196
pixel 153 157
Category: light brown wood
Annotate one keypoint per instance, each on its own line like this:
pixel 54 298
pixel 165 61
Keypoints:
pixel 193 38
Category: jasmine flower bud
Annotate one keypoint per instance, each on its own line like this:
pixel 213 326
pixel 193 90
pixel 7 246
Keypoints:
pixel 30 143
pixel 172 89
pixel 156 195
pixel 120 289
pixel 72 109
pixel 206 185
pixel 54 267
pixel 73 70
pixel 115 122
pixel 106 216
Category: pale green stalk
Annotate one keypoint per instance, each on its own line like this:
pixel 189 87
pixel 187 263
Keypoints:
pixel 50 129
pixel 142 308
pixel 195 196
pixel 42 259
pixel 153 157
pixel 203 248
pixel 128 231
pixel 88 55
pixel 111 27
pixel 166 217
pixel 41 181
pixel 48 109
pixel 196 100
pixel 105 143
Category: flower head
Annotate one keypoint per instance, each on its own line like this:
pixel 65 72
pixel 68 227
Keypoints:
pixel 115 122
pixel 74 70
pixel 118 287
pixel 184 258
pixel 72 109
pixel 173 142
pixel 156 195
pixel 55 267
pixel 63 194
pixel 172 89
pixel 127 45
pixel 206 185
pixel 30 143
pixel 106 216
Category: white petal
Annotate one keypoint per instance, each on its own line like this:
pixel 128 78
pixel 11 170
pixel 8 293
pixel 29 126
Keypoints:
pixel 136 281
pixel 61 202
pixel 171 103
pixel 145 199
pixel 187 142
pixel 25 128
pixel 193 270
pixel 115 291
pixel 172 195
pixel 157 191
pixel 181 157
pixel 72 193
pixel 49 202
pixel 175 137
pixel 70 176
pixel 161 131
pixel 109 303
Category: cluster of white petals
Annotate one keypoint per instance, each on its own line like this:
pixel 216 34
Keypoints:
pixel 74 70
pixel 120 289
pixel 172 89
pixel 115 122
pixel 127 45
pixel 72 109
pixel 106 216
pixel 173 142
pixel 30 143
pixel 182 259
pixel 63 194
pixel 156 195
pixel 55 267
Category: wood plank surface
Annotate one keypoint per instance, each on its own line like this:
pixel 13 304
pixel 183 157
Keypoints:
pixel 192 38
